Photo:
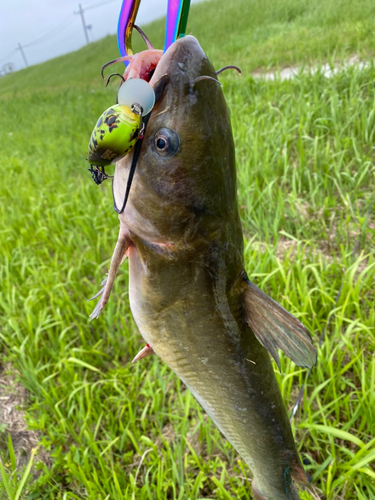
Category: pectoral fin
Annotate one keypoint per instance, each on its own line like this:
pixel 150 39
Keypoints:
pixel 275 328
pixel 119 255
pixel 102 284
pixel 144 353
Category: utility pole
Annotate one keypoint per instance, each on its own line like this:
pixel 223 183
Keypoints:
pixel 23 53
pixel 81 11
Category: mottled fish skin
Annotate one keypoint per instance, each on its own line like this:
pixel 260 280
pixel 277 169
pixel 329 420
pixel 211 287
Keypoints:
pixel 186 266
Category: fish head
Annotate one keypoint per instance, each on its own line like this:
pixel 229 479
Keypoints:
pixel 184 187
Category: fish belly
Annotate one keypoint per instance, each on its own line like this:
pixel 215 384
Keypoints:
pixel 227 370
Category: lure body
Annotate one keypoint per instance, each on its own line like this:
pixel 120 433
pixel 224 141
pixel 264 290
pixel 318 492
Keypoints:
pixel 114 135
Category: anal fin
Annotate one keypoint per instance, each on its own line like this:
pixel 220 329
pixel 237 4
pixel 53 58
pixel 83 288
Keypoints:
pixel 276 328
pixel 143 353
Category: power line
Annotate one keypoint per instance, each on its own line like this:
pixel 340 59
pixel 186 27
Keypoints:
pixel 52 30
pixel 62 25
pixel 47 34
pixel 8 55
pixel 99 4
pixel 81 12
pixel 60 41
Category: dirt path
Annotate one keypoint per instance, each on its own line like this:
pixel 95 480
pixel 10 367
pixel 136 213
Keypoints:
pixel 327 69
pixel 13 398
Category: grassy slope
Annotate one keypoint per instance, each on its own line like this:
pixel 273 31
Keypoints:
pixel 306 177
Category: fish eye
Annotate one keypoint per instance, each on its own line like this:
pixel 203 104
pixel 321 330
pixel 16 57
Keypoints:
pixel 167 142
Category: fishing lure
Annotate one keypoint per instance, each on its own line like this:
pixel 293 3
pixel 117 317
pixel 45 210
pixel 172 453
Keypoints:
pixel 120 126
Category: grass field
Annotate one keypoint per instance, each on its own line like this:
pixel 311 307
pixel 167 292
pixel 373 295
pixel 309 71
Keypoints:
pixel 305 157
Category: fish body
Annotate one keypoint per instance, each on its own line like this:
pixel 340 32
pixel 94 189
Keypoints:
pixel 189 292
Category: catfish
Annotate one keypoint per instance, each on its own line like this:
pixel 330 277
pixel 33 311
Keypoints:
pixel 190 296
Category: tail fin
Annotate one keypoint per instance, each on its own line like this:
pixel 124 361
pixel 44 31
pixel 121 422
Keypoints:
pixel 285 489
pixel 291 495
pixel 298 473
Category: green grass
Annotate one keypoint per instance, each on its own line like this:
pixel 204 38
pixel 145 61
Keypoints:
pixel 305 153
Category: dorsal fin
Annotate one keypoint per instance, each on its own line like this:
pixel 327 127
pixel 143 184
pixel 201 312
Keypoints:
pixel 276 328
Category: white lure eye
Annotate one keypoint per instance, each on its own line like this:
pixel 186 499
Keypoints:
pixel 137 93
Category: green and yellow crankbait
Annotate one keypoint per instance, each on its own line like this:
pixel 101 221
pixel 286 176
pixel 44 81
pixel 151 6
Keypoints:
pixel 114 135
pixel 120 126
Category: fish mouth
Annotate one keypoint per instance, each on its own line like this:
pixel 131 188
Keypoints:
pixel 152 65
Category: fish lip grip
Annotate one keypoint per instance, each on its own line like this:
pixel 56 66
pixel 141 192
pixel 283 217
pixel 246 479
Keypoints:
pixel 177 16
pixel 128 14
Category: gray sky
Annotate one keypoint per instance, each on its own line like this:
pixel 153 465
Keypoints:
pixel 59 30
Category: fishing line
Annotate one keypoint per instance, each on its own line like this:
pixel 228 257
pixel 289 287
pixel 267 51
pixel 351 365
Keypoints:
pixel 330 316
pixel 137 149
pixel 158 90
